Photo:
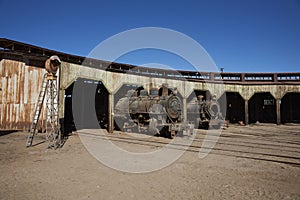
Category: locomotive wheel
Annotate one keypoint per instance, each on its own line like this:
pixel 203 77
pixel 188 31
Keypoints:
pixel 204 125
pixel 166 133
pixel 172 134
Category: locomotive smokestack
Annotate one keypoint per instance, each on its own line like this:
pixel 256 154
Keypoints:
pixel 200 97
pixel 175 91
pixel 165 89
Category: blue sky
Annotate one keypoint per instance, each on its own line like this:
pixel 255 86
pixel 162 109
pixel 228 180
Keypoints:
pixel 239 35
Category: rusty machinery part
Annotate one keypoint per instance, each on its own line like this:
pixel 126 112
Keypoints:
pixel 174 107
pixel 52 64
pixel 150 112
pixel 204 113
pixel 213 109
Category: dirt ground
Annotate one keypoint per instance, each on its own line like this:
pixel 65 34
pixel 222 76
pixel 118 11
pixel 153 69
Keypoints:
pixel 254 162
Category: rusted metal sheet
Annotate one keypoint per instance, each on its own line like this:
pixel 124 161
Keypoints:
pixel 19 85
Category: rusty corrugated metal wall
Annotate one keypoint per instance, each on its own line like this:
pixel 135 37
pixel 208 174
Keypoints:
pixel 19 90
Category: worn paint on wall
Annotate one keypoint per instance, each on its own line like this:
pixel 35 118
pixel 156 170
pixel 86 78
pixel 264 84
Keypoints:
pixel 72 71
pixel 20 85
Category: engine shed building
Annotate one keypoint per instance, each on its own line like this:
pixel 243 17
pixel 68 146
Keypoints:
pixel 246 97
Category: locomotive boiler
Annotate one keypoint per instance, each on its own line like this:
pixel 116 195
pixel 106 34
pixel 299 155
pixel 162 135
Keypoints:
pixel 151 112
pixel 205 113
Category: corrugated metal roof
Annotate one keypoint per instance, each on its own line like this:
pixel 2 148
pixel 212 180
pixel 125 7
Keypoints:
pixel 36 56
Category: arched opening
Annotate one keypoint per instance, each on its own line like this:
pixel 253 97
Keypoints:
pixel 232 107
pixel 87 92
pixel 194 114
pixel 262 108
pixel 290 112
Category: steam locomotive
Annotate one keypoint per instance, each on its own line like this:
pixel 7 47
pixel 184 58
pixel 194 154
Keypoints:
pixel 152 113
pixel 205 113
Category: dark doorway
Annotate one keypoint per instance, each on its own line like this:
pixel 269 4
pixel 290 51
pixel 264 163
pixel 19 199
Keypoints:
pixel 89 103
pixel 232 107
pixel 102 105
pixel 290 112
pixel 262 108
pixel 69 124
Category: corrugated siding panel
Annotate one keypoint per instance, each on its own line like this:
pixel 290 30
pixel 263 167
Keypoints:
pixel 20 85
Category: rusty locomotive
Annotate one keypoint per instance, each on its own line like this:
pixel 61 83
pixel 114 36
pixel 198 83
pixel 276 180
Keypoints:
pixel 159 112
pixel 205 113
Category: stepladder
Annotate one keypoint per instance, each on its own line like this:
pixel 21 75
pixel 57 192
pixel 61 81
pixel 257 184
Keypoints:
pixel 49 93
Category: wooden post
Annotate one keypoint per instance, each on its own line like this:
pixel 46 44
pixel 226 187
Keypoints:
pixel 61 104
pixel 278 111
pixel 184 102
pixel 246 112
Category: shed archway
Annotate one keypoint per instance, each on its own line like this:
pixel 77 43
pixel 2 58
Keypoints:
pixel 233 107
pixel 262 108
pixel 89 92
pixel 290 112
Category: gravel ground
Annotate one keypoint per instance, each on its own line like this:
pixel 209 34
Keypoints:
pixel 253 162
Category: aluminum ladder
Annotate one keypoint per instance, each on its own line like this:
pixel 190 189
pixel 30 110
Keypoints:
pixel 49 90
pixel 37 112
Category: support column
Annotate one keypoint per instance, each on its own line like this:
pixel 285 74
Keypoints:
pixel 111 113
pixel 246 112
pixel 61 105
pixel 184 102
pixel 61 100
pixel 278 111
